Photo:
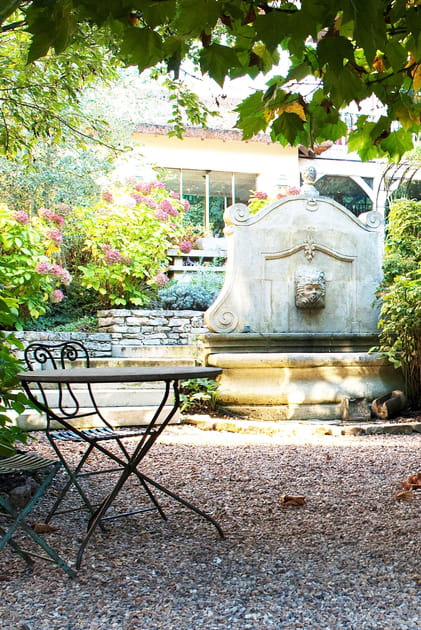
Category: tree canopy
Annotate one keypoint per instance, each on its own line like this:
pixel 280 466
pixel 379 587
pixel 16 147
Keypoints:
pixel 342 53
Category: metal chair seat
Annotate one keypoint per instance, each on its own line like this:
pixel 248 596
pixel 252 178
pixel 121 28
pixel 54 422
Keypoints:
pixel 20 463
pixel 24 462
pixel 86 435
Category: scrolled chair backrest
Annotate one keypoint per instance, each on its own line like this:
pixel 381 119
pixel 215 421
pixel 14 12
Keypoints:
pixel 39 355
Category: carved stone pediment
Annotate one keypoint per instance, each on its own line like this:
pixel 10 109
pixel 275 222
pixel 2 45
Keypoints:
pixel 312 236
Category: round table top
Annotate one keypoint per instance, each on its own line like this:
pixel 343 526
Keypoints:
pixel 118 374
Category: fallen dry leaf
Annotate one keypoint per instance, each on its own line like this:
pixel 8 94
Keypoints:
pixel 287 499
pixel 43 528
pixel 413 482
pixel 405 495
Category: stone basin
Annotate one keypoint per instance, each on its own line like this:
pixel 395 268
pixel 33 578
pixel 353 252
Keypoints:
pixel 265 378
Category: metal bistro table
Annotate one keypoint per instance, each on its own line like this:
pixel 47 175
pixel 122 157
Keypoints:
pixel 64 380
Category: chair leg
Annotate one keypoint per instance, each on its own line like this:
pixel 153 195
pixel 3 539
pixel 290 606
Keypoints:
pixel 20 522
pixel 16 548
pixel 71 481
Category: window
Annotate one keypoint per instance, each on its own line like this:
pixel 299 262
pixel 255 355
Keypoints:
pixel 209 193
pixel 346 192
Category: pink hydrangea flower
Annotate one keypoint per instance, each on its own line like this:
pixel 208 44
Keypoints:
pixel 111 256
pixel 174 195
pixel 44 212
pixel 58 219
pixel 65 277
pixel 143 188
pixel 259 195
pixel 286 191
pixel 107 196
pixel 160 214
pixel 54 235
pixel 43 267
pixel 21 217
pixel 56 296
pixel 59 272
pixel 167 207
pixel 161 279
pixel 186 204
pixel 157 185
pixel 185 246
pixel 138 197
pixel 49 215
pixel 151 203
pixel 54 270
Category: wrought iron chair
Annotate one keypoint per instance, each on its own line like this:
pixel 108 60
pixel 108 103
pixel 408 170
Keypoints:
pixel 27 462
pixel 61 403
pixel 63 415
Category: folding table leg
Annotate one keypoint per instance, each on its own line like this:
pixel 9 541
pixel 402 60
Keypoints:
pixel 131 467
pixel 186 503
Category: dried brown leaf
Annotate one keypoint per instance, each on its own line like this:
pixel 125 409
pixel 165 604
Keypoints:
pixel 43 528
pixel 413 482
pixel 405 495
pixel 287 499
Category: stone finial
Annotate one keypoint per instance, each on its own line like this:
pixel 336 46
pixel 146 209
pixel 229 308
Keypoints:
pixel 309 175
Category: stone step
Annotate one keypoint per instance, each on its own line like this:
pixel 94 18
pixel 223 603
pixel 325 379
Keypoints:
pixel 117 416
pixel 109 396
pixel 304 429
pixel 140 361
pixel 128 350
pixel 125 404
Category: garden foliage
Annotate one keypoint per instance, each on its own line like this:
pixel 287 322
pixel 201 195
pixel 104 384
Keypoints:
pixel 400 318
pixel 30 257
pixel 11 401
pixel 185 296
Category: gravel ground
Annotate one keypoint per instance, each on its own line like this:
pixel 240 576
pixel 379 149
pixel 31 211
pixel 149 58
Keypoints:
pixel 349 557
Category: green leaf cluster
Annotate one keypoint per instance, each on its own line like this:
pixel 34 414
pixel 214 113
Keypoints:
pixel 340 54
pixel 198 395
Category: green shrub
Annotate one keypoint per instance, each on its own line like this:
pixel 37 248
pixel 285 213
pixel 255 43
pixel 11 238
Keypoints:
pixel 10 400
pixel 400 292
pixel 30 259
pixel 78 308
pixel 198 395
pixel 185 296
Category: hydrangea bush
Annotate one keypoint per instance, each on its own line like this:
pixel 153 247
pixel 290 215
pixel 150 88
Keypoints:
pixel 31 272
pixel 127 235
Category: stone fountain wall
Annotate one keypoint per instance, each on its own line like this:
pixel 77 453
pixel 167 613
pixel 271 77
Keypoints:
pixel 296 316
pixel 299 266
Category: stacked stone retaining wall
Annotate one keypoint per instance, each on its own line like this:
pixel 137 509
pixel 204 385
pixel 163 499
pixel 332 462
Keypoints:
pixel 127 327
pixel 152 327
